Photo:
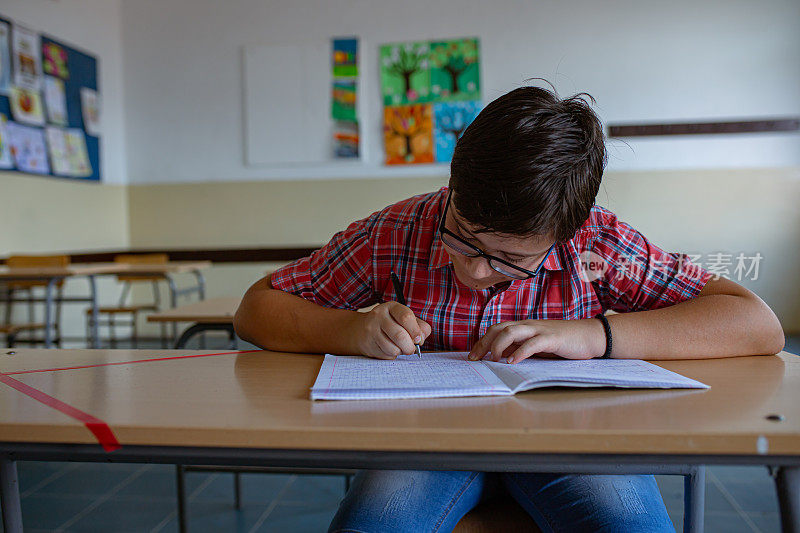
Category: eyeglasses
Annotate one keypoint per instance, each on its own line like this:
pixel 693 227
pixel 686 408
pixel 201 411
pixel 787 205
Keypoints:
pixel 498 265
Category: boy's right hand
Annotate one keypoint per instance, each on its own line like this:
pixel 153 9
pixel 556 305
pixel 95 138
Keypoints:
pixel 390 329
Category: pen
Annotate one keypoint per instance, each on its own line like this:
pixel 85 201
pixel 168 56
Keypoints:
pixel 398 291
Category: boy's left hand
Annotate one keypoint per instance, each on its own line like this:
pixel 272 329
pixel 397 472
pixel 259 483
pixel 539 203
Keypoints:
pixel 571 339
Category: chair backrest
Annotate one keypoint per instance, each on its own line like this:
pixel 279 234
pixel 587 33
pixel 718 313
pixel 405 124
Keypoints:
pixel 33 261
pixel 140 259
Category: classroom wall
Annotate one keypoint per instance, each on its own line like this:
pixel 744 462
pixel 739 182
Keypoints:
pixel 700 212
pixel 682 60
pixel 43 214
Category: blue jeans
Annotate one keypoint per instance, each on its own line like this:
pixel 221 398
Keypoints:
pixel 418 501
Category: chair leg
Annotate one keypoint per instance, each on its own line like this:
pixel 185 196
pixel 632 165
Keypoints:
pixel 59 299
pixel 112 336
pixel 179 478
pixel 163 335
pixel 237 490
pixel 134 331
pixel 89 330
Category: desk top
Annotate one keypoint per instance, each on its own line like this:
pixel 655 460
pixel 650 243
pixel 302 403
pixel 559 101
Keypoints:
pixel 78 269
pixel 18 273
pixel 210 311
pixel 261 399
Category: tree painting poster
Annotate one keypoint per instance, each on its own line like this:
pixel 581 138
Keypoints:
pixel 451 119
pixel 408 134
pixel 443 78
pixel 344 100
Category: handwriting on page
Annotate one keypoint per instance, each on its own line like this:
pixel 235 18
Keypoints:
pixel 441 374
pixel 407 373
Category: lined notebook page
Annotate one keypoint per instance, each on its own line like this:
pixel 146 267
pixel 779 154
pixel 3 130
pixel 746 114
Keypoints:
pixel 437 375
pixel 531 373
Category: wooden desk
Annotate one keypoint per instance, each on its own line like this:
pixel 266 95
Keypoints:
pixel 212 314
pixel 55 274
pixel 254 408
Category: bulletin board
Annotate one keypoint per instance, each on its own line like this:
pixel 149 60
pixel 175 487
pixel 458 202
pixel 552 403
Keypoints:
pixel 79 72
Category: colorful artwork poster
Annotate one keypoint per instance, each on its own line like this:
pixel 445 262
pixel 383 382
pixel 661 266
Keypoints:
pixel 5 59
pixel 405 73
pixel 55 60
pixel 26 106
pixel 28 148
pixel 345 139
pixel 80 167
pixel 450 120
pixel 55 101
pixel 345 58
pixel 57 148
pixel 90 106
pixel 6 161
pixel 26 58
pixel 408 134
pixel 344 100
pixel 455 70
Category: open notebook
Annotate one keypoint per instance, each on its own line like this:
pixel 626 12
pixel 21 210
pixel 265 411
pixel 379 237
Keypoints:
pixel 448 374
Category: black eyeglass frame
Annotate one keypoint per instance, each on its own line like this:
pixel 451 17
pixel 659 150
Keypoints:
pixel 480 253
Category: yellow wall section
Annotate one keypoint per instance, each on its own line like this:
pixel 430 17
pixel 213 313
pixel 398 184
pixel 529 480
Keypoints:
pixel 702 212
pixel 699 211
pixel 43 215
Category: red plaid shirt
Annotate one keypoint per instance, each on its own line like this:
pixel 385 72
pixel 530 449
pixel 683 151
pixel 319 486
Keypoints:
pixel 353 271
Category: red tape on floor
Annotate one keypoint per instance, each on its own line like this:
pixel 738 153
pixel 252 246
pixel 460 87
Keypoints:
pixel 99 429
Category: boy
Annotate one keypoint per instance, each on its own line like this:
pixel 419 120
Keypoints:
pixel 496 265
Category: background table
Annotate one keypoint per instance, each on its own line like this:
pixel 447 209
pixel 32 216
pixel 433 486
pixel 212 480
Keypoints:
pixel 214 314
pixel 52 275
pixel 254 409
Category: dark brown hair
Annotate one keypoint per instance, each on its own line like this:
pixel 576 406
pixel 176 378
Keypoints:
pixel 529 164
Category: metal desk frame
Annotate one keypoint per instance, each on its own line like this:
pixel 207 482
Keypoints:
pixel 785 469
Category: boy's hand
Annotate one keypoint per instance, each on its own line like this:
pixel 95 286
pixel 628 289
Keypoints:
pixel 391 329
pixel 571 339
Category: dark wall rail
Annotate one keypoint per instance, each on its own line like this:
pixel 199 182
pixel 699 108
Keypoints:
pixel 216 255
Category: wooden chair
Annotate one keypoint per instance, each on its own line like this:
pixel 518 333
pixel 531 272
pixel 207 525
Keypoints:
pixel 24 292
pixel 495 516
pixel 110 315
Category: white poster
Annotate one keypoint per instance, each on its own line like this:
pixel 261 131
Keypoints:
pixel 28 148
pixel 27 58
pixel 26 106
pixel 55 101
pixel 57 148
pixel 5 148
pixel 90 105
pixel 5 59
pixel 77 154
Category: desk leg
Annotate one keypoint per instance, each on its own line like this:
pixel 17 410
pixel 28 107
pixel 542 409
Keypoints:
pixel 201 293
pixel 173 302
pixel 95 312
pixel 179 479
pixel 9 491
pixel 49 312
pixel 694 499
pixel 787 481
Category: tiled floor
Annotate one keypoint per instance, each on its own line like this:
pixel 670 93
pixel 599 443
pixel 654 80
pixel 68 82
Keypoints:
pixel 84 497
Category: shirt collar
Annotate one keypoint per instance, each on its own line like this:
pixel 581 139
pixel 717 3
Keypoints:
pixel 439 257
